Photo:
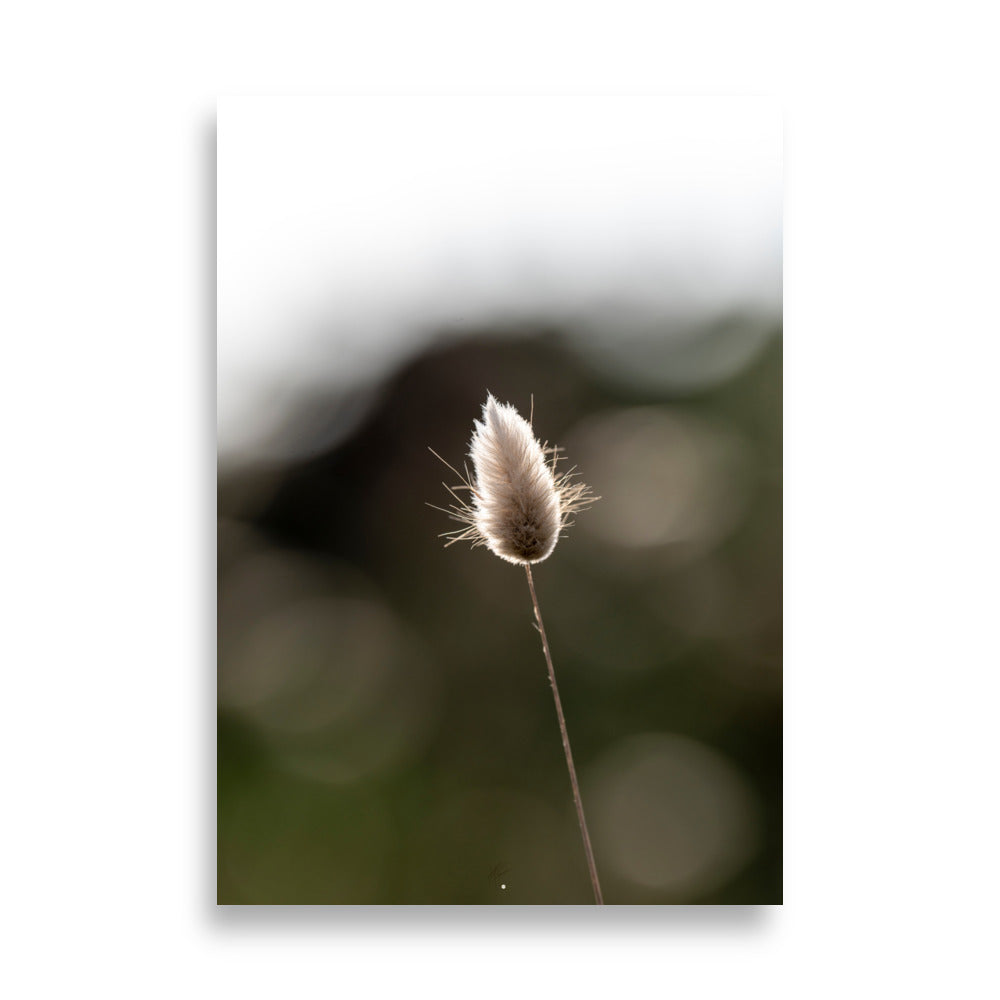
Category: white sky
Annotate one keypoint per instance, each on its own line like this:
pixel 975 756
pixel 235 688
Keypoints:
pixel 350 227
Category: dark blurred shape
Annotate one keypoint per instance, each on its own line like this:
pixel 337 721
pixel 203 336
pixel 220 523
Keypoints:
pixel 386 730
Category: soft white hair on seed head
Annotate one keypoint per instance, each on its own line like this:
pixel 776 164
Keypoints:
pixel 519 503
pixel 516 501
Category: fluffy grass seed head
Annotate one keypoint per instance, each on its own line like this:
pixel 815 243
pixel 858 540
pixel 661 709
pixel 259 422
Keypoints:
pixel 516 503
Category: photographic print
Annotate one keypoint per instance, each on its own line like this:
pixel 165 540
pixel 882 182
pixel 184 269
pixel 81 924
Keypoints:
pixel 499 501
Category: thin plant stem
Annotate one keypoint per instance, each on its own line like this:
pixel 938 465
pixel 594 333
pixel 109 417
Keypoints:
pixel 598 898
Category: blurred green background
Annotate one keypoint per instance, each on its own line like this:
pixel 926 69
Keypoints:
pixel 386 732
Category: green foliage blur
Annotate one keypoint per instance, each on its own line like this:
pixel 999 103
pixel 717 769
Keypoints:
pixel 386 732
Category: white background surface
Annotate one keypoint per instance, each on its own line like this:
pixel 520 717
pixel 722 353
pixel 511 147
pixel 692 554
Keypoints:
pixel 891 216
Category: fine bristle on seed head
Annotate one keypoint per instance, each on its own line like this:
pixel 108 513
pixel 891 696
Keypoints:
pixel 516 503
